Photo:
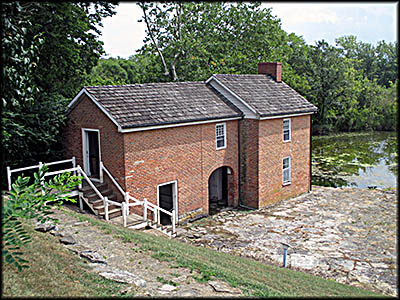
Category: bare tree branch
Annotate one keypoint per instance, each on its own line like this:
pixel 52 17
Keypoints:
pixel 179 53
pixel 166 73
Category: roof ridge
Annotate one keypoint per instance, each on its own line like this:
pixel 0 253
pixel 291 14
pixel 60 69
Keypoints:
pixel 237 74
pixel 146 83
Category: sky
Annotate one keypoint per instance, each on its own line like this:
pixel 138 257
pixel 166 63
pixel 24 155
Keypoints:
pixel 371 22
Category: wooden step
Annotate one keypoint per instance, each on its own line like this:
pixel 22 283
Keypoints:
pixel 101 209
pixel 162 228
pixel 92 194
pixel 100 202
pixel 112 197
pixel 116 212
pixel 99 186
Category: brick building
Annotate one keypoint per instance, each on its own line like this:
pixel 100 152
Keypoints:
pixel 196 146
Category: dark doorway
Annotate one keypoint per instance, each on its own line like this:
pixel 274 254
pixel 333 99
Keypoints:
pixel 166 201
pixel 218 190
pixel 94 153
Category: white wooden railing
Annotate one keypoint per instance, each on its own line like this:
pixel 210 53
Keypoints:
pixel 73 169
pixel 129 200
pixel 156 211
pixel 135 202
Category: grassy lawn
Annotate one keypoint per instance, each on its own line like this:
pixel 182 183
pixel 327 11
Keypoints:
pixel 56 271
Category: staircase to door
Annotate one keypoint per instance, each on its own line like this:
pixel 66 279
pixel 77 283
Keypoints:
pixel 102 200
pixel 96 203
pixel 115 212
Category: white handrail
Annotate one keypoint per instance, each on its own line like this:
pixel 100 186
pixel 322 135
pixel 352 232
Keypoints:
pixel 160 209
pixel 25 168
pixel 135 200
pixel 59 162
pixel 61 171
pixel 114 203
pixel 90 183
pixel 10 171
pixel 125 206
pixel 112 178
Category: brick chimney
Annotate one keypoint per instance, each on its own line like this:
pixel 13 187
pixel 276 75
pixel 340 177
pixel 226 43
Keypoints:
pixel 271 68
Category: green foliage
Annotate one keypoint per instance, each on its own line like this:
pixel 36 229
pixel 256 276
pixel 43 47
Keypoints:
pixel 33 201
pixel 350 83
pixel 190 41
pixel 71 47
pixel 47 50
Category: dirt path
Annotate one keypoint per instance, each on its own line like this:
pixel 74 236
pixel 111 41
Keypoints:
pixel 348 235
pixel 125 261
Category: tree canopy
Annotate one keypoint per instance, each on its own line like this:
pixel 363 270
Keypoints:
pixel 48 50
pixel 352 83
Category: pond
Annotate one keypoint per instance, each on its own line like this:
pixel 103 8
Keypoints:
pixel 355 160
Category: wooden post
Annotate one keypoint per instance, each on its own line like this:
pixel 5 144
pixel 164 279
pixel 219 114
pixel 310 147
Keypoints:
pixel 127 202
pixel 101 172
pixel 105 200
pixel 173 220
pixel 41 180
pixel 9 178
pixel 145 209
pixel 79 174
pixel 124 213
pixel 74 164
pixel 80 202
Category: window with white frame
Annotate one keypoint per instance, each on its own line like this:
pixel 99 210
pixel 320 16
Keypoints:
pixel 286 171
pixel 220 135
pixel 287 134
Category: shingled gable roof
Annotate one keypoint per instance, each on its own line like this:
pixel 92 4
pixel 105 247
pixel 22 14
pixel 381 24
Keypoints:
pixel 264 95
pixel 152 104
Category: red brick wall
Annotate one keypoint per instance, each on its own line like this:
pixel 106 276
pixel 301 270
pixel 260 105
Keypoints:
pixel 273 150
pixel 87 115
pixel 187 154
pixel 249 147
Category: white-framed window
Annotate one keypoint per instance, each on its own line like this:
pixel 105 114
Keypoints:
pixel 286 178
pixel 287 130
pixel 220 135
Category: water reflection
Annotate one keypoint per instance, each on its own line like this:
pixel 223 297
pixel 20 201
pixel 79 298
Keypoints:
pixel 355 160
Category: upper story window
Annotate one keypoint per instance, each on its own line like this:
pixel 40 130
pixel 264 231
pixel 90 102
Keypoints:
pixel 287 130
pixel 286 171
pixel 220 135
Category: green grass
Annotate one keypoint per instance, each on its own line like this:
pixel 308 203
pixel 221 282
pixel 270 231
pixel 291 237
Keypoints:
pixel 54 272
pixel 254 278
pixel 166 281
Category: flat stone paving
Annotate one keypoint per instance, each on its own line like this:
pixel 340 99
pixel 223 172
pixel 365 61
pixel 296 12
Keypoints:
pixel 345 234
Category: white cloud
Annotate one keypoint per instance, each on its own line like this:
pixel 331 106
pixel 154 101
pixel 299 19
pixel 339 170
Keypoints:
pixel 122 34
pixel 292 14
pixel 370 22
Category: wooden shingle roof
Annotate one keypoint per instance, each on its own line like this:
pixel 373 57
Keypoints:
pixel 266 96
pixel 139 105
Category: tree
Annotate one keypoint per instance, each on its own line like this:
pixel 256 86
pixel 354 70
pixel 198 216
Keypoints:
pixel 325 77
pixel 107 72
pixel 191 40
pixel 47 47
pixel 375 62
pixel 72 46
pixel 19 61
pixel 30 202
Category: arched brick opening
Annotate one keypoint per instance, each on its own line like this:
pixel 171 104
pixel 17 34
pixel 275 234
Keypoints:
pixel 220 186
